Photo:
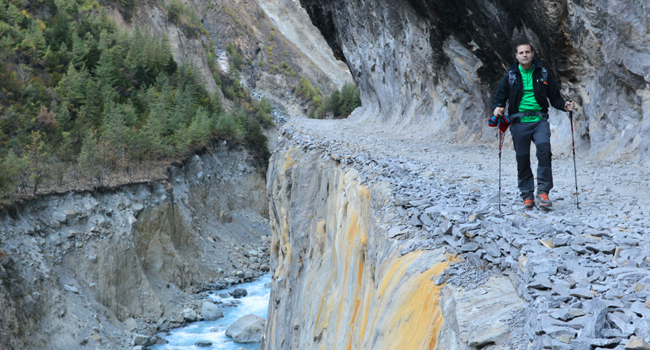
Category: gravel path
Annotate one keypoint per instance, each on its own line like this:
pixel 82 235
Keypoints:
pixel 583 271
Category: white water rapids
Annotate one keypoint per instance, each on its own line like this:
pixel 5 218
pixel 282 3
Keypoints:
pixel 256 302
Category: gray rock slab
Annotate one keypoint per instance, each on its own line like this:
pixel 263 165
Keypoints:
pixel 482 313
pixel 248 329
pixel 396 231
pixel 641 309
pixel 603 246
pixel 469 247
pixel 622 321
pixel 583 293
pixel 596 323
pixel 59 216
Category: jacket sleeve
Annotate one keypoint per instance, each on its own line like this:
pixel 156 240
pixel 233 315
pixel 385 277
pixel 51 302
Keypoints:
pixel 501 96
pixel 553 93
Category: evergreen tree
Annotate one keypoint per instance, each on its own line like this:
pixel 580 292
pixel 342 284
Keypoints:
pixel 64 55
pixel 91 111
pixel 150 141
pixel 10 169
pixel 35 160
pixel 79 51
pixel 39 42
pixel 89 157
pixel 61 115
pixel 116 136
pixel 106 72
pixel 71 87
pixel 200 129
pixel 3 10
pixel 16 17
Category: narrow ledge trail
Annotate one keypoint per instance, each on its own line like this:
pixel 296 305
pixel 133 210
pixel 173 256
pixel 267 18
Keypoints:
pixel 583 272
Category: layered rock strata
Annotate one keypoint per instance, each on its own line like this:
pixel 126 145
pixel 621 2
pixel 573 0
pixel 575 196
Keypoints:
pixel 431 67
pixel 343 277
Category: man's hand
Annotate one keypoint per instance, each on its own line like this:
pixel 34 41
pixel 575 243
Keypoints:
pixel 569 106
pixel 498 111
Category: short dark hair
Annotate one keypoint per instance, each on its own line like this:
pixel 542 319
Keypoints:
pixel 521 43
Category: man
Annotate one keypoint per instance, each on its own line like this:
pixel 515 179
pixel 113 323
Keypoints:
pixel 528 87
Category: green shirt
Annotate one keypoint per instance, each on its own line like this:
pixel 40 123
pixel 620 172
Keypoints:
pixel 528 102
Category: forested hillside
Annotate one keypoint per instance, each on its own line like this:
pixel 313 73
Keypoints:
pixel 83 103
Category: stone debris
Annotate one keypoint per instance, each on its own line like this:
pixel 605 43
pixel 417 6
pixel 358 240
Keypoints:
pixel 582 272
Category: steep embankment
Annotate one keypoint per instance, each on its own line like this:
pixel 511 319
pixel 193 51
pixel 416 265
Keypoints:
pixel 431 67
pixel 92 268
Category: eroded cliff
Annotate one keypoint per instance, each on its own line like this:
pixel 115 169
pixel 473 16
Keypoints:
pixel 342 280
pixel 93 268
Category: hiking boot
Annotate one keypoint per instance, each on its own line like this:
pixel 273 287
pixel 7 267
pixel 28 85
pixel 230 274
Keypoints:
pixel 529 203
pixel 544 202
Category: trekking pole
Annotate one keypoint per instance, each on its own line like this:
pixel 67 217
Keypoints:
pixel 500 144
pixel 575 171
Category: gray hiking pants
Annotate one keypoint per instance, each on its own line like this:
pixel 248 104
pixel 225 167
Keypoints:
pixel 539 133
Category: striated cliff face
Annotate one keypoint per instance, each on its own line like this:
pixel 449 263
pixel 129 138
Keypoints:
pixel 431 67
pixel 342 280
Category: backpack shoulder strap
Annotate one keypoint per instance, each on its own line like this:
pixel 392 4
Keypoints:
pixel 512 78
pixel 544 74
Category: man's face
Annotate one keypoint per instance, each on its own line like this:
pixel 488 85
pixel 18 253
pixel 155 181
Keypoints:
pixel 524 55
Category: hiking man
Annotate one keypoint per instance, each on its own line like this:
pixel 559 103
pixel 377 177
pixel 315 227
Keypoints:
pixel 528 87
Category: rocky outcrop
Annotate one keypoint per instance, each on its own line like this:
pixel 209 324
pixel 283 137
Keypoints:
pixel 293 22
pixel 431 67
pixel 342 280
pixel 92 267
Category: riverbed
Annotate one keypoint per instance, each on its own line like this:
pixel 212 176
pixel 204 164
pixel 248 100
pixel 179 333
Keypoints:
pixel 256 302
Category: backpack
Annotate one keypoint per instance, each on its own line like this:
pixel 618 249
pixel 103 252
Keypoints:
pixel 512 77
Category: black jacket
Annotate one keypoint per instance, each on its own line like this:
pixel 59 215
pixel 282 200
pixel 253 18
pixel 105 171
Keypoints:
pixel 543 90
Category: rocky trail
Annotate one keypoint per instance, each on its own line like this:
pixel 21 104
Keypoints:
pixel 584 273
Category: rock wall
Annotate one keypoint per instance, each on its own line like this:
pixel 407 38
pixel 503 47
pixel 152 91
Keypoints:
pixel 430 67
pixel 341 279
pixel 293 22
pixel 90 268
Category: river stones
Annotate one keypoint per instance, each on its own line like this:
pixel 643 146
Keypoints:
pixel 210 311
pixel 238 293
pixel 189 315
pixel 248 329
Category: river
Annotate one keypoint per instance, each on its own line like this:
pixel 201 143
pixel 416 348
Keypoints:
pixel 256 302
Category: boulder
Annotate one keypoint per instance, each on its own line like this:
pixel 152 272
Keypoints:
pixel 70 214
pixel 189 315
pixel 210 311
pixel 59 216
pixel 248 329
pixel 139 339
pixel 238 293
